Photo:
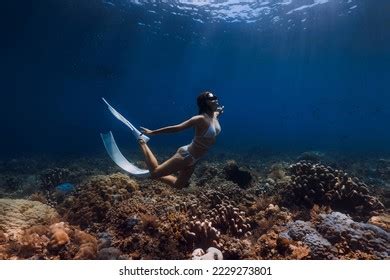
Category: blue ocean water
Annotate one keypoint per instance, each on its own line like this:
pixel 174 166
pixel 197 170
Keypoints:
pixel 293 75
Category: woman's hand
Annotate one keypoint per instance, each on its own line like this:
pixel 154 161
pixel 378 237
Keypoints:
pixel 220 109
pixel 146 131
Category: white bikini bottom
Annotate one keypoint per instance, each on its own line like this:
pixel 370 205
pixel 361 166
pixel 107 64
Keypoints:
pixel 183 151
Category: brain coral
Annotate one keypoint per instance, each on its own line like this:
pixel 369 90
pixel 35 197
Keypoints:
pixel 318 184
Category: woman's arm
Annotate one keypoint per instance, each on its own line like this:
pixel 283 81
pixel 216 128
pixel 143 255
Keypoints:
pixel 173 128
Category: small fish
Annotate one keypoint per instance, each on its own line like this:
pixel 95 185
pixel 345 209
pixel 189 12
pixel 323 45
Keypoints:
pixel 65 187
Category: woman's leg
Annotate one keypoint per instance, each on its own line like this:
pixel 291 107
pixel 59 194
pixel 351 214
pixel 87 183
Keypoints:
pixel 166 168
pixel 184 177
pixel 169 179
pixel 151 160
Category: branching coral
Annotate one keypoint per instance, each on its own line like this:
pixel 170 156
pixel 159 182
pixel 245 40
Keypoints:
pixel 201 235
pixel 230 220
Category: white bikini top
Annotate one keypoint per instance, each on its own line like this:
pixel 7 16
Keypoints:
pixel 206 140
pixel 213 130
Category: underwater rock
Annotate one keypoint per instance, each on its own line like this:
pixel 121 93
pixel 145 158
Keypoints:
pixel 318 184
pixel 303 231
pixel 211 254
pixel 339 228
pixel 239 175
pixel 18 214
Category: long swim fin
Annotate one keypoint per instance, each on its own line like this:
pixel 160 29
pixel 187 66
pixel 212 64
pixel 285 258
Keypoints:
pixel 137 134
pixel 113 150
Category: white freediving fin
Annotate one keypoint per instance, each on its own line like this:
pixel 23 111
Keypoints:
pixel 137 134
pixel 113 150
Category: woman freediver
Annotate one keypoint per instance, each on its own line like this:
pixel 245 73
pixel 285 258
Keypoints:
pixel 206 126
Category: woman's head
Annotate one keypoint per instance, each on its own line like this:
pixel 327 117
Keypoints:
pixel 207 102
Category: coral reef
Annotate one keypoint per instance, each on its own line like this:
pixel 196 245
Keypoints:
pixel 318 184
pixel 265 209
pixel 95 197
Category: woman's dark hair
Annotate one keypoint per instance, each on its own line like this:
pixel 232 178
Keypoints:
pixel 202 102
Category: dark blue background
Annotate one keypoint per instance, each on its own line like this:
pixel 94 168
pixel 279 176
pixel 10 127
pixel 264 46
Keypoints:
pixel 324 88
